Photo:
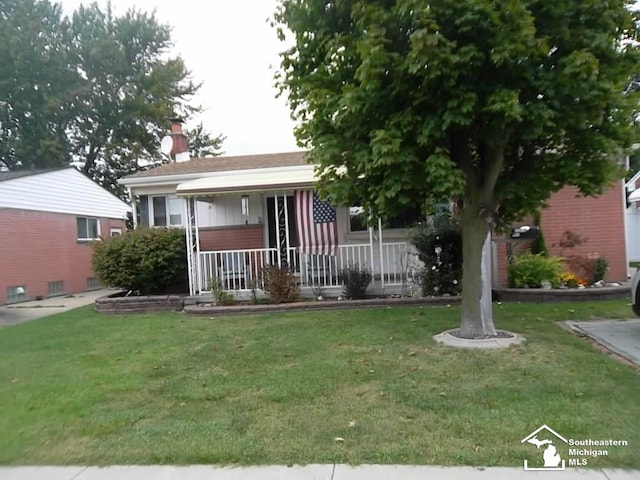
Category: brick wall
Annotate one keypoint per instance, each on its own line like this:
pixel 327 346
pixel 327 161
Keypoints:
pixel 600 220
pixel 41 247
pixel 238 237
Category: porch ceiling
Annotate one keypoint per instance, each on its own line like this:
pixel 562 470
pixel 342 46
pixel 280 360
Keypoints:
pixel 256 180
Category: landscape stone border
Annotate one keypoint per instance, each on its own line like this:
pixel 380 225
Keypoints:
pixel 211 310
pixel 560 294
pixel 118 303
pixel 139 304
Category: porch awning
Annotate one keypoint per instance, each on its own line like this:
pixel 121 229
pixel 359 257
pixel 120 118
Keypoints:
pixel 252 180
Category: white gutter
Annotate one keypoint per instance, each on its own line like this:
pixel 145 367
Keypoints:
pixel 161 179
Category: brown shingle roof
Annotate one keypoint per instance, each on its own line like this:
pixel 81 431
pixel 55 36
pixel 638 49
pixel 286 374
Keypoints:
pixel 224 163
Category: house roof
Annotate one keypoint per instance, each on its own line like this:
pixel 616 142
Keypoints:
pixel 64 190
pixel 224 163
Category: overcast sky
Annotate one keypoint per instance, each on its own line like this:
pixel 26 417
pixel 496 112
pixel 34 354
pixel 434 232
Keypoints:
pixel 229 47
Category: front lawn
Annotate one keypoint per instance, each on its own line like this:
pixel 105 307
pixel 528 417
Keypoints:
pixel 85 388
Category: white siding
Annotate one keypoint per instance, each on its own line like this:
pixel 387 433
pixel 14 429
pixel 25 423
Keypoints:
pixel 61 191
pixel 226 210
pixel 633 233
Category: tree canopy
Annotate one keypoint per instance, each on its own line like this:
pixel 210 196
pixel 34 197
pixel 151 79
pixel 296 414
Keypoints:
pixel 496 102
pixel 94 89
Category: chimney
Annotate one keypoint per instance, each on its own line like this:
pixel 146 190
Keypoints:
pixel 180 149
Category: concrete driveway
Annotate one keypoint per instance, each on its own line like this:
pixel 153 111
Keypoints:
pixel 622 337
pixel 25 311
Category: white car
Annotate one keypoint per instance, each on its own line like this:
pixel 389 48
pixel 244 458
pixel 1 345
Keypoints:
pixel 635 293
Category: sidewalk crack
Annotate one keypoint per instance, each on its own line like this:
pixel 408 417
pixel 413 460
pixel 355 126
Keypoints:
pixel 79 473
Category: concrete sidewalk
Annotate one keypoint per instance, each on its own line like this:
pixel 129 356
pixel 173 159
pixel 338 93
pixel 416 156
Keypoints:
pixel 24 311
pixel 622 337
pixel 308 472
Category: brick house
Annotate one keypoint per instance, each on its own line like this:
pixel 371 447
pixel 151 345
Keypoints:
pixel 242 213
pixel 600 221
pixel 48 219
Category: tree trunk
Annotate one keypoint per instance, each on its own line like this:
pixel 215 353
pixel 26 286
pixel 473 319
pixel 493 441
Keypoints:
pixel 477 313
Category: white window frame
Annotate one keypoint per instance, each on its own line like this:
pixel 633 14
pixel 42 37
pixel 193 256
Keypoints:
pixel 87 239
pixel 167 205
pixel 115 231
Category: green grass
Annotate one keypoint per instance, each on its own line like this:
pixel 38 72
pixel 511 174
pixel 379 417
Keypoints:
pixel 85 388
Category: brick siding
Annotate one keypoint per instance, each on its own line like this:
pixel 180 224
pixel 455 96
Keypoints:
pixel 600 220
pixel 239 237
pixel 41 247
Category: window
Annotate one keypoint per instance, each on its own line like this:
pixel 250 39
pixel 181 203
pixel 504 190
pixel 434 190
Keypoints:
pixel 115 231
pixel 15 294
pixel 405 219
pixel 160 211
pixel 88 228
pixel 93 283
pixel 55 288
pixel 143 211
pixel 175 211
pixel 357 219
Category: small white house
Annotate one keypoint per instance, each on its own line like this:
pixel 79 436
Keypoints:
pixel 245 212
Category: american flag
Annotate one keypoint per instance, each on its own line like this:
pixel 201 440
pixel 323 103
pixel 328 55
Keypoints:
pixel 315 223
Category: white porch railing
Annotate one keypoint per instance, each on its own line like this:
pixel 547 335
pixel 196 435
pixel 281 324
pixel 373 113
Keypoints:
pixel 242 269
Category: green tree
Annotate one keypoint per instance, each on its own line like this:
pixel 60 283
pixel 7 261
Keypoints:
pixel 498 102
pixel 203 144
pixel 96 90
pixel 131 88
pixel 37 86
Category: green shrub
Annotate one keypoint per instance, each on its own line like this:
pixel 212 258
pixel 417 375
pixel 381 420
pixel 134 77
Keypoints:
pixel 600 268
pixel 280 284
pixel 530 270
pixel 146 261
pixel 439 246
pixel 355 281
pixel 220 296
pixel 539 245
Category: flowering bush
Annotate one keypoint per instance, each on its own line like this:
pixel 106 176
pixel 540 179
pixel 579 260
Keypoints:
pixel 439 246
pixel 571 280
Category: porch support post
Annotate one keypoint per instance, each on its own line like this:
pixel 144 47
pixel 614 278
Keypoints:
pixel 381 253
pixel 371 262
pixel 286 227
pixel 197 236
pixel 189 241
pixel 276 208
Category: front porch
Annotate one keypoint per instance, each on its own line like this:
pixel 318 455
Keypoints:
pixel 237 224
pixel 394 266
